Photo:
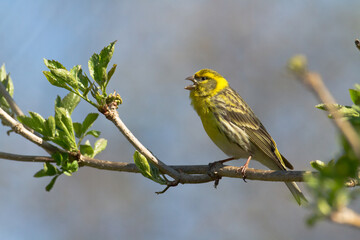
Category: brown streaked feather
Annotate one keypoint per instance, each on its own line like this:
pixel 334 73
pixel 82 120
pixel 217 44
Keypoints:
pixel 236 111
pixel 287 163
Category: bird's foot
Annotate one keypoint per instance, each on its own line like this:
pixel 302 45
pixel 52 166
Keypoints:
pixel 243 168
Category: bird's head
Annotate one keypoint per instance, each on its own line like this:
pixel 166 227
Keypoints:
pixel 206 82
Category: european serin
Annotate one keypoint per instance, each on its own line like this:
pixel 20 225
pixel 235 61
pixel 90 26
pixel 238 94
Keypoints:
pixel 232 125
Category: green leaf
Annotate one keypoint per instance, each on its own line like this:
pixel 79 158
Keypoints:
pixel 355 96
pixel 357 86
pixel 74 166
pixel 85 81
pixel 49 127
pixel 51 184
pixel 94 133
pixel 142 164
pixel 6 80
pixel 40 173
pixel 26 121
pixel 35 121
pixel 52 64
pixel 2 73
pixel 99 146
pixel 321 106
pixel 317 164
pixel 63 120
pixel 69 102
pixel 97 71
pixel 88 121
pixel 77 128
pixel 87 150
pixel 346 111
pixel 66 131
pixel 64 76
pixel 56 81
pixel 106 54
pixel 38 120
pixel 76 72
pixel 63 142
pixel 98 64
pixel 58 157
pixel 110 74
pixel 48 170
pixel 147 169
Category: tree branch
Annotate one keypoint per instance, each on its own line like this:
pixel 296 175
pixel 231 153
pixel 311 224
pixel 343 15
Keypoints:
pixel 113 116
pixel 192 173
pixel 346 216
pixel 20 129
pixel 314 80
pixel 25 158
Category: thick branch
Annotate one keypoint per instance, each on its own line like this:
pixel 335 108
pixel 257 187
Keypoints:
pixel 192 173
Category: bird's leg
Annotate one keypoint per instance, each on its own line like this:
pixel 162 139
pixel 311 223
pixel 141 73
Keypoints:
pixel 244 167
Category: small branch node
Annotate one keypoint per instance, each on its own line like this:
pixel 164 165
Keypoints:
pixel 213 172
pixel 169 184
pixel 18 128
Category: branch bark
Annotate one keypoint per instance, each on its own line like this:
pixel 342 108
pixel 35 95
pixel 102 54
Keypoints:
pixel 346 216
pixel 194 173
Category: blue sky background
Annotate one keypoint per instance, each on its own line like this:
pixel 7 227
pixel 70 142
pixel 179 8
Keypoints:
pixel 159 44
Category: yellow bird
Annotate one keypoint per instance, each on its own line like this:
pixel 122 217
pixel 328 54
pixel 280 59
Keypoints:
pixel 233 126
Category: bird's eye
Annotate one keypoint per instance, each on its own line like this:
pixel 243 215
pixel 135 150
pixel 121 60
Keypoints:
pixel 203 78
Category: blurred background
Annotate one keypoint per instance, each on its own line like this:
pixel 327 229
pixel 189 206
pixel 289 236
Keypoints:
pixel 159 44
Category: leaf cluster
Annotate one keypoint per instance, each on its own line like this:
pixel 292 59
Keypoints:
pixel 61 130
pixel 77 82
pixel 328 187
pixel 6 81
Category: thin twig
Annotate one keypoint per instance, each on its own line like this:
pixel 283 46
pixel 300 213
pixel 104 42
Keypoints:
pixel 314 80
pixel 25 158
pixel 113 116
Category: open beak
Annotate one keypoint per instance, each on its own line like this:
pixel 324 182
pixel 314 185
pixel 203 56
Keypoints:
pixel 191 87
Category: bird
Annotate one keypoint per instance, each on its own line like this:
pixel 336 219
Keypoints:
pixel 233 127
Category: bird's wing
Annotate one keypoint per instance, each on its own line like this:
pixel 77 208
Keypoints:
pixel 234 110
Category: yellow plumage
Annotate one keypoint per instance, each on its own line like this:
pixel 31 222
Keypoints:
pixel 232 125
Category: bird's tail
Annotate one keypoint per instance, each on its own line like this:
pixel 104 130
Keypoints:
pixel 278 165
pixel 296 192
